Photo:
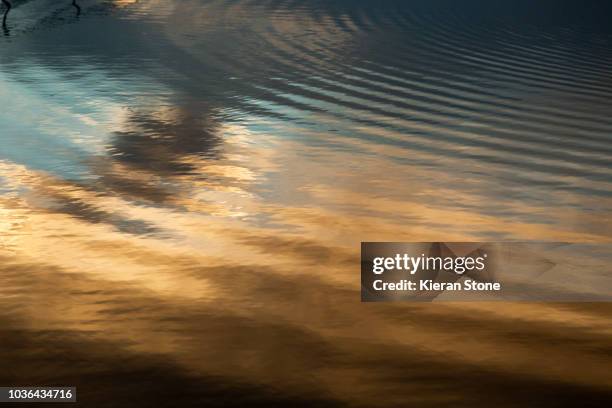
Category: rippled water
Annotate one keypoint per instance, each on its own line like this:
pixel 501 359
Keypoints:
pixel 184 186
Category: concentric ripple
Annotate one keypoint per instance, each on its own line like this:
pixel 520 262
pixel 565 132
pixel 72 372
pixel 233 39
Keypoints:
pixel 184 186
pixel 473 82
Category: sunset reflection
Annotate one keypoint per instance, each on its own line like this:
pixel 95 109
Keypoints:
pixel 184 187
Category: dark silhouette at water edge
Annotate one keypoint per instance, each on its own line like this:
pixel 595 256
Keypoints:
pixel 7 8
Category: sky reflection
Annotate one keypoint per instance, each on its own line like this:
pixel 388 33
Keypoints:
pixel 184 186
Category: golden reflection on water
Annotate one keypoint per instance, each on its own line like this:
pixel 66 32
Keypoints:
pixel 215 277
pixel 216 238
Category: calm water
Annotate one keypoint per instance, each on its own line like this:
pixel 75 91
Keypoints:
pixel 184 186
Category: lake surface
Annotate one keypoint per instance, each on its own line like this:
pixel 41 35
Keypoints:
pixel 184 186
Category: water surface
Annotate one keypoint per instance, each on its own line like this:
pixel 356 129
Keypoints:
pixel 184 186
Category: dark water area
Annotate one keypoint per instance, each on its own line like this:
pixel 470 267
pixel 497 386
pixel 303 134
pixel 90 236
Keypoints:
pixel 184 186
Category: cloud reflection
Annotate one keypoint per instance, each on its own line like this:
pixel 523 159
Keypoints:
pixel 184 186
